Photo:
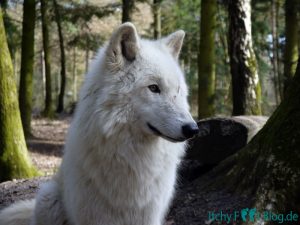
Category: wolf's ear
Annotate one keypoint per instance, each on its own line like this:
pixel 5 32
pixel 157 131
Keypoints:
pixel 174 42
pixel 124 45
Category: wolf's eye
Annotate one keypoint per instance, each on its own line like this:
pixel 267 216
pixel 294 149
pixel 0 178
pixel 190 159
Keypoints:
pixel 154 88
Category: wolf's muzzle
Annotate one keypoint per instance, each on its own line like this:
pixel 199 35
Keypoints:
pixel 190 129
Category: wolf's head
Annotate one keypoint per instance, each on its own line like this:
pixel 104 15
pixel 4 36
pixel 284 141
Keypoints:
pixel 139 83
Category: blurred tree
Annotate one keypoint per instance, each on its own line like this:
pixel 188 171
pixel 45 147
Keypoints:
pixel 48 111
pixel 156 9
pixel 27 61
pixel 291 41
pixel 3 4
pixel 12 32
pixel 60 105
pixel 274 50
pixel 267 34
pixel 246 92
pixel 279 49
pixel 206 60
pixel 269 165
pixel 223 93
pixel 128 7
pixel 14 160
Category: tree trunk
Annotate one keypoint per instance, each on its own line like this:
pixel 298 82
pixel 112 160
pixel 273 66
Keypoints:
pixel 48 111
pixel 14 160
pixel 274 52
pixel 3 4
pixel 156 9
pixel 16 65
pixel 127 9
pixel 60 106
pixel 269 165
pixel 74 74
pixel 42 70
pixel 279 58
pixel 291 42
pixel 87 55
pixel 206 59
pixel 27 61
pixel 246 91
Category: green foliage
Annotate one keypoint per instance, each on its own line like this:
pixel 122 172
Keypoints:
pixel 184 15
pixel 75 18
pixel 92 41
pixel 77 12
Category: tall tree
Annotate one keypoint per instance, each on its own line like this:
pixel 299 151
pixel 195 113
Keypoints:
pixel 278 6
pixel 27 61
pixel 127 10
pixel 13 34
pixel 206 59
pixel 269 165
pixel 274 51
pixel 48 111
pixel 3 4
pixel 156 9
pixel 14 160
pixel 246 92
pixel 291 41
pixel 60 106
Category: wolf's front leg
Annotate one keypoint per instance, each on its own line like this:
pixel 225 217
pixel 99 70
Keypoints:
pixel 49 209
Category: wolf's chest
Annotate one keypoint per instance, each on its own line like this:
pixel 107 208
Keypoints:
pixel 135 179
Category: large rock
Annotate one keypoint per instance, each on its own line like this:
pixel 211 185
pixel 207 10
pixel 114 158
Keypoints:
pixel 221 137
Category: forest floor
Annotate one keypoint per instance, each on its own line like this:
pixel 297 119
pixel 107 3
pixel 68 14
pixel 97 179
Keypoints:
pixel 192 205
pixel 46 145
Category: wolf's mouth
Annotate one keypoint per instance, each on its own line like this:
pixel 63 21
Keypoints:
pixel 157 132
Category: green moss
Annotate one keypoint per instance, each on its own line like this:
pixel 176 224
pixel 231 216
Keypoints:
pixel 14 160
pixel 254 103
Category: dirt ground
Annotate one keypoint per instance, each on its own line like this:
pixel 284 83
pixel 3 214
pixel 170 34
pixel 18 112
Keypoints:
pixel 46 145
pixel 192 204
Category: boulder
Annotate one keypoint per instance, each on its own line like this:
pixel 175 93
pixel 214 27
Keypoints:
pixel 223 136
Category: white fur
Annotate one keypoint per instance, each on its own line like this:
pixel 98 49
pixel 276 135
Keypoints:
pixel 18 213
pixel 116 170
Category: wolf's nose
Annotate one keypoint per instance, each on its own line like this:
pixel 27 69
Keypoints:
pixel 190 129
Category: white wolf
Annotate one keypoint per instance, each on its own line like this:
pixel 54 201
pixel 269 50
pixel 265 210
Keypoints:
pixel 125 142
